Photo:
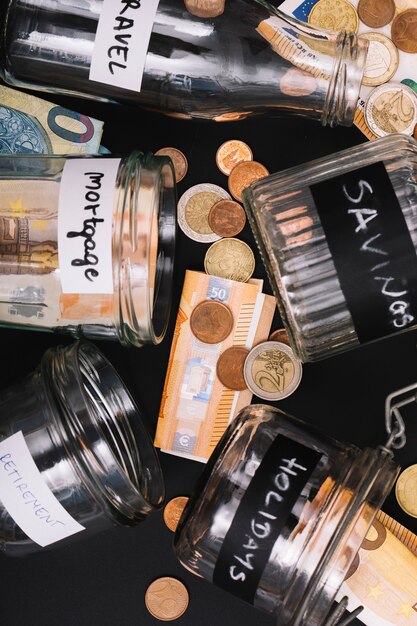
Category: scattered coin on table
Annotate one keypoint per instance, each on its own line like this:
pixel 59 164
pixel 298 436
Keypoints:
pixel 376 13
pixel 173 511
pixel 179 161
pixel 243 175
pixel 211 321
pixel 194 207
pixel 404 30
pixel 230 153
pixel 229 368
pixel 382 59
pixel 230 258
pixel 391 108
pixel 336 15
pixel 271 371
pixel 166 598
pixel 227 218
pixel 406 490
pixel 280 335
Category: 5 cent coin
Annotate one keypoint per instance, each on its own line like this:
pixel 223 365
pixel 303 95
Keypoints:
pixel 230 258
pixel 166 598
pixel 227 218
pixel 243 175
pixel 376 13
pixel 211 321
pixel 229 368
pixel 230 153
pixel 173 511
pixel 271 370
pixel 178 159
pixel 406 490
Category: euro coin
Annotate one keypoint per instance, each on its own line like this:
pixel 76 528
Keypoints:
pixel 382 59
pixel 406 490
pixel 376 13
pixel 271 371
pixel 166 598
pixel 280 335
pixel 243 175
pixel 230 153
pixel 404 31
pixel 230 258
pixel 391 108
pixel 227 218
pixel 205 8
pixel 179 161
pixel 415 132
pixel 229 367
pixel 334 15
pixel 211 321
pixel 194 207
pixel 173 511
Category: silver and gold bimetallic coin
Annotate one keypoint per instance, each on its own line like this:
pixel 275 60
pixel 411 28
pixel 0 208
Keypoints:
pixel 230 258
pixel 391 108
pixel 382 59
pixel 194 207
pixel 271 370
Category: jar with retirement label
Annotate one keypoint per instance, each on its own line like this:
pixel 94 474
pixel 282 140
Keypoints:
pixel 87 245
pixel 214 60
pixel 280 513
pixel 338 238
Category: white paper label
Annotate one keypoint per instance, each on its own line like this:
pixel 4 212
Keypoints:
pixel 28 499
pixel 85 219
pixel 122 41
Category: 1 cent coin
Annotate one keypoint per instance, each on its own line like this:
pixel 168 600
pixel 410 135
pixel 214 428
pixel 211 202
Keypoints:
pixel 178 159
pixel 230 153
pixel 173 511
pixel 406 490
pixel 227 218
pixel 404 30
pixel 376 13
pixel 211 321
pixel 166 598
pixel 271 370
pixel 230 258
pixel 229 368
pixel 243 175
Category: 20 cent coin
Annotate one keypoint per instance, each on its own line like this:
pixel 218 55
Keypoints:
pixel 243 175
pixel 166 598
pixel 211 321
pixel 230 153
pixel 271 370
pixel 382 59
pixel 193 210
pixel 229 368
pixel 391 108
pixel 179 161
pixel 230 258
pixel 173 511
pixel 406 490
pixel 227 218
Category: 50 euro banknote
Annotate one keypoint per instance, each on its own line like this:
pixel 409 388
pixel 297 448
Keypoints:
pixel 196 408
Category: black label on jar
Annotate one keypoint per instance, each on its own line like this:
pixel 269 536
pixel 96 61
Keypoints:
pixel 262 514
pixel 372 250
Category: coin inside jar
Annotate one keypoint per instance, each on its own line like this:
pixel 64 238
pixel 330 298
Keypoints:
pixel 406 490
pixel 404 31
pixel 382 59
pixel 376 13
pixel 243 175
pixel 229 368
pixel 166 598
pixel 227 218
pixel 230 258
pixel 178 159
pixel 230 153
pixel 211 321
pixel 173 511
pixel 271 370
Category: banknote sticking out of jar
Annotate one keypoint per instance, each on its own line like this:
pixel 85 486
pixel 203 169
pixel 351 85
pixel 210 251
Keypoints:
pixel 87 244
pixel 75 455
pixel 280 513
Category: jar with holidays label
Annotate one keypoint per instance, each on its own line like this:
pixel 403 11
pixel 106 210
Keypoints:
pixel 75 456
pixel 87 245
pixel 280 513
pixel 338 237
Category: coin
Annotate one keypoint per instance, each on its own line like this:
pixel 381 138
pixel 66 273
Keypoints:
pixel 229 368
pixel 243 175
pixel 173 511
pixel 391 108
pixel 227 218
pixel 230 258
pixel 382 59
pixel 280 335
pixel 179 161
pixel 211 321
pixel 415 132
pixel 193 208
pixel 334 15
pixel 205 8
pixel 404 30
pixel 376 13
pixel 230 153
pixel 406 490
pixel 271 370
pixel 166 598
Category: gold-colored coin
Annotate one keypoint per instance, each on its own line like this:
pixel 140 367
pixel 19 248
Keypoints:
pixel 243 175
pixel 166 598
pixel 230 153
pixel 179 161
pixel 205 8
pixel 406 490
pixel 391 108
pixel 211 321
pixel 271 370
pixel 382 59
pixel 173 511
pixel 230 258
pixel 334 15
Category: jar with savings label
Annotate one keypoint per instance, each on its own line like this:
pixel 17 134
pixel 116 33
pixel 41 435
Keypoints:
pixel 338 237
pixel 87 244
pixel 280 513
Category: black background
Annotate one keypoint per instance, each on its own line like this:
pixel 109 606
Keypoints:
pixel 103 580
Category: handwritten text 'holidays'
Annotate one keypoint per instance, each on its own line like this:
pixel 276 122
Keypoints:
pixel 88 231
pixel 372 244
pixel 123 27
pixel 11 468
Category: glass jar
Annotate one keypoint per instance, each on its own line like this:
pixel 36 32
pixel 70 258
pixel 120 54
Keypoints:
pixel 75 456
pixel 280 513
pixel 249 59
pixel 338 237
pixel 87 245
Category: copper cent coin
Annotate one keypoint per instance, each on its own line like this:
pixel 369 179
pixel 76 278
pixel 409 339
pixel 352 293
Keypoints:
pixel 178 159
pixel 231 153
pixel 415 132
pixel 166 598
pixel 243 175
pixel 404 30
pixel 376 13
pixel 229 368
pixel 211 321
pixel 173 511
pixel 227 218
pixel 280 335
pixel 406 490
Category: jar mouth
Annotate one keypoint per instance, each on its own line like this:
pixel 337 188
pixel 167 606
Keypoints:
pixel 103 430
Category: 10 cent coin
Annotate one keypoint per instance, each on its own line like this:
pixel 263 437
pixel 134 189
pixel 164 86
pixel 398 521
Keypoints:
pixel 211 321
pixel 271 370
pixel 166 598
pixel 230 258
pixel 406 490
pixel 193 210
